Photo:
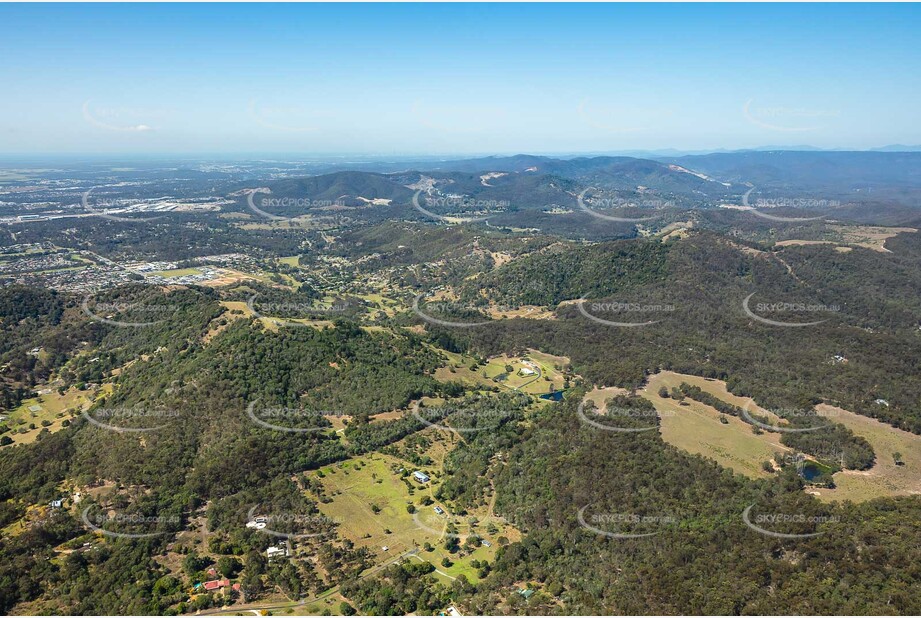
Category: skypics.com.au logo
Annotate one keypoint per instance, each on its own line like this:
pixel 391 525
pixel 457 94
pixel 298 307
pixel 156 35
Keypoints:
pixel 131 419
pixel 127 525
pixel 593 310
pixel 300 203
pixel 459 208
pixel 786 525
pixel 290 525
pixel 787 119
pixel 785 202
pixel 111 208
pixel 290 420
pixel 428 310
pixel 786 308
pixel 463 419
pixel 118 313
pixel 800 420
pixel 622 526
pixel 445 525
pixel 632 420
pixel 287 313
pixel 592 205
pixel 122 119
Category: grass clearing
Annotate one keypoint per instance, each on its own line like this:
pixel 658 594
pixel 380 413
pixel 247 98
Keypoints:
pixel 696 428
pixel 236 310
pixel 867 236
pixel 228 276
pixel 51 408
pixel 369 501
pixel 361 485
pixel 291 260
pixel 885 478
pixel 179 272
pixel 535 373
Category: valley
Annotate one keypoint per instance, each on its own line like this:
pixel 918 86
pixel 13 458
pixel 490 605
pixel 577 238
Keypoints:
pixel 253 415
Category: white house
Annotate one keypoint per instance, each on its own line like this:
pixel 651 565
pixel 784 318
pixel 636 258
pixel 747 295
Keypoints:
pixel 276 552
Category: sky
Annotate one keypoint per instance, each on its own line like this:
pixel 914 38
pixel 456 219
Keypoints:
pixel 456 79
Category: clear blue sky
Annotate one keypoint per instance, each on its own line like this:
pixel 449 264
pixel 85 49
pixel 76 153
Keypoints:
pixel 476 78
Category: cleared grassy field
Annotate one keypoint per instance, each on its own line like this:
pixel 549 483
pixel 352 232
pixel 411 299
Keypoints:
pixel 548 374
pixel 276 324
pixel 599 396
pixel 531 312
pixel 179 272
pixel 885 478
pixel 270 323
pixel 51 408
pixel 867 236
pixel 369 501
pixel 235 305
pixel 229 276
pixel 696 428
pixel 228 317
pixel 382 303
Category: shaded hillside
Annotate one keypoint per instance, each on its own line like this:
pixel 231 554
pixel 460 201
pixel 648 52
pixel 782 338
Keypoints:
pixel 694 289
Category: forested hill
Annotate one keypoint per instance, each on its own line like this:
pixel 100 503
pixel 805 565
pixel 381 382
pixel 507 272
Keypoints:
pixel 693 553
pixel 208 367
pixel 208 450
pixel 695 288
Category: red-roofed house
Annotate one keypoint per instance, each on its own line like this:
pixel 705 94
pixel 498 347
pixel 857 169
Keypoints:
pixel 216 583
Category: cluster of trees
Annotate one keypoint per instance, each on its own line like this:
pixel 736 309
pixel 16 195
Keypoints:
pixel 832 443
pixel 208 449
pixel 33 318
pixel 703 559
pixel 698 285
pixel 181 236
pixel 402 589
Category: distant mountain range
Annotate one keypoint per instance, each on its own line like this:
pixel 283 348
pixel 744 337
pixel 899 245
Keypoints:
pixel 538 191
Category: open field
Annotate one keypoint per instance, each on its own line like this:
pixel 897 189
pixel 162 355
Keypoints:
pixel 179 272
pixel 531 312
pixel 234 305
pixel 792 243
pixel 885 478
pixel 270 323
pixel 382 303
pixel 50 408
pixel 361 486
pixel 276 324
pixel 229 276
pixel 846 236
pixel 547 376
pixel 228 317
pixel 599 396
pixel 696 428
